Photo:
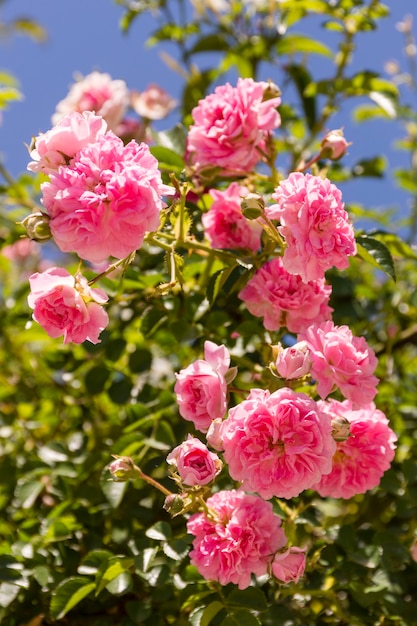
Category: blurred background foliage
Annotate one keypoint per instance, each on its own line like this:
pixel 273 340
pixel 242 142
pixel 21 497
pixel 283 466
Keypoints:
pixel 78 549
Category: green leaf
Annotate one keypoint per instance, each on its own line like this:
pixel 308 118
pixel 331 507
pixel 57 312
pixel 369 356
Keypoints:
pixel 8 593
pixel 250 598
pixel 161 531
pixel 376 253
pixel 297 42
pixel 112 490
pixel 241 618
pixel 374 167
pixel 302 78
pixel 96 378
pixel 167 157
pixel 68 594
pixel 115 568
pixel 210 613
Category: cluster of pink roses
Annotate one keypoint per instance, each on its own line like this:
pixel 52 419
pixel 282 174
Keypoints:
pixel 100 200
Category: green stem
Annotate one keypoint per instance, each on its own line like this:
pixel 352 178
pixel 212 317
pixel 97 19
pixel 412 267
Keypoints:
pixel 151 481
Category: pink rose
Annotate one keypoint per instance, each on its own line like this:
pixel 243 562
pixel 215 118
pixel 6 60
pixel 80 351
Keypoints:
pixel 277 444
pixel 339 359
pixel 194 462
pixel 314 224
pixel 232 127
pixel 224 224
pixel 293 362
pixel 237 540
pixel 361 460
pixel 413 550
pixel 283 299
pixel 201 388
pixel 153 104
pixel 21 250
pixel 108 198
pixel 66 305
pixel 334 145
pixel 99 93
pixel 289 566
pixel 60 144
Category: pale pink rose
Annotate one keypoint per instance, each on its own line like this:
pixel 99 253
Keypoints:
pixel 314 224
pixel 341 360
pixel 293 362
pixel 361 460
pixel 21 250
pixel 201 388
pixel 334 145
pixel 224 224
pixel 153 104
pixel 277 444
pixel 213 435
pixel 66 305
pixel 283 299
pixel 289 566
pixel 129 129
pixel 194 462
pixel 238 539
pixel 60 144
pixel 105 202
pixel 232 127
pixel 99 93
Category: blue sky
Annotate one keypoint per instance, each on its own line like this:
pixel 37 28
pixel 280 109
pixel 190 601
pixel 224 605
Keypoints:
pixel 84 35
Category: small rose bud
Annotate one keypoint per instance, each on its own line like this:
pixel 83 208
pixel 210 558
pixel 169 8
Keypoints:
pixel 334 145
pixel 340 428
pixel 252 206
pixel 122 468
pixel 174 504
pixel 37 226
pixel 272 91
pixel 293 362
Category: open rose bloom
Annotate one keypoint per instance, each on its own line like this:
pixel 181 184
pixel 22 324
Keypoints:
pixel 361 460
pixel 238 539
pixel 277 444
pixel 314 224
pixel 105 197
pixel 66 306
pixel 232 126
pixel 224 224
pixel 201 388
pixel 283 299
pixel 194 462
pixel 96 92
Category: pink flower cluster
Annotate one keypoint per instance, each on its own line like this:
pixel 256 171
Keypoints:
pixel 360 461
pixel 277 444
pixel 224 224
pixel 314 224
pixel 232 127
pixel 236 538
pixel 65 305
pixel 283 299
pixel 201 388
pixel 102 196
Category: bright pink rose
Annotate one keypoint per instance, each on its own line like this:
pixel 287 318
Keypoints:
pixel 238 539
pixel 339 359
pixel 201 388
pixel 224 224
pixel 232 127
pixel 153 104
pixel 277 444
pixel 108 198
pixel 293 362
pixel 66 305
pixel 360 460
pixel 60 144
pixel 99 93
pixel 314 224
pixel 194 462
pixel 283 299
pixel 289 566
